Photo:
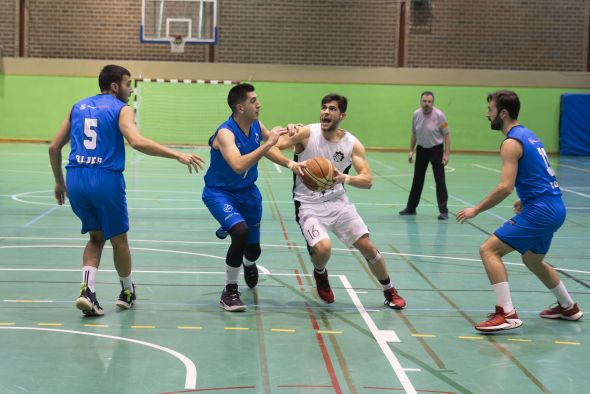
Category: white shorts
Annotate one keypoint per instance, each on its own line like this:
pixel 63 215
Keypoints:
pixel 338 215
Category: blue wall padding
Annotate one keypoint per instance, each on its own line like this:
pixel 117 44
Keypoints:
pixel 574 125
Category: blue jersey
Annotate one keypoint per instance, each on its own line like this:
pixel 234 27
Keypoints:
pixel 95 137
pixel 535 176
pixel 219 174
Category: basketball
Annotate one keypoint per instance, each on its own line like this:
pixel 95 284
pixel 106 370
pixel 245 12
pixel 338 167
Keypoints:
pixel 318 174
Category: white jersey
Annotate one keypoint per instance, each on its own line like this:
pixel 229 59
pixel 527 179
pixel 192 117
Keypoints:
pixel 339 153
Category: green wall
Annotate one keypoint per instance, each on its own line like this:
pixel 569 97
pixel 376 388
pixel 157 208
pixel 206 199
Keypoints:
pixel 32 107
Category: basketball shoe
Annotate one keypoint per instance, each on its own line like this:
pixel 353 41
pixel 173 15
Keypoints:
pixel 251 275
pixel 557 312
pixel 88 303
pixel 323 286
pixel 230 299
pixel 393 299
pixel 126 298
pixel 499 320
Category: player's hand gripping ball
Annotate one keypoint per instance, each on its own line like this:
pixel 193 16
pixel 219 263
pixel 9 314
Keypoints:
pixel 319 173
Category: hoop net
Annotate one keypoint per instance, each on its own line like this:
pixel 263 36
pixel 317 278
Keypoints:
pixel 177 44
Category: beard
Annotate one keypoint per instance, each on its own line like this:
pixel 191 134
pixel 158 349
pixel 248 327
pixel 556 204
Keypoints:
pixel 497 123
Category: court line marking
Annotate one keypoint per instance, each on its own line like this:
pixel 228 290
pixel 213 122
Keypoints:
pixel 190 382
pixel 561 187
pixel 41 216
pixel 264 270
pixel 383 337
pixel 278 167
pixel 573 167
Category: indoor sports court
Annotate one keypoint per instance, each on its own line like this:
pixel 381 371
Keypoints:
pixel 184 56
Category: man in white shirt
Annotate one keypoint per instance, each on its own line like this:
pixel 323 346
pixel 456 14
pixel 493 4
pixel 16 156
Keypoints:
pixel 431 137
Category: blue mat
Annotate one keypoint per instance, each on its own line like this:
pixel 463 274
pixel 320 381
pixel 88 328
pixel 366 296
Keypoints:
pixel 574 125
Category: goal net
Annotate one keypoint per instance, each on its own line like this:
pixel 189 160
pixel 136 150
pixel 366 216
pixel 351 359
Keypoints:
pixel 183 112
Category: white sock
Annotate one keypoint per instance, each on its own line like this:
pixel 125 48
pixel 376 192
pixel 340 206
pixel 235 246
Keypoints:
pixel 89 277
pixel 321 272
pixel 502 291
pixel 231 274
pixel 248 263
pixel 127 283
pixel 563 297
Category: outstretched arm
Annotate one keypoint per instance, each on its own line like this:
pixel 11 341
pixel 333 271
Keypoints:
pixel 363 179
pixel 59 141
pixel 226 143
pixel 152 148
pixel 511 151
pixel 274 154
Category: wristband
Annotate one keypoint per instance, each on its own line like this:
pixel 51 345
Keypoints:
pixel 291 164
pixel 347 179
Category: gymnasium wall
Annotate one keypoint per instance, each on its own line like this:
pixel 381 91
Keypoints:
pixel 494 34
pixel 34 100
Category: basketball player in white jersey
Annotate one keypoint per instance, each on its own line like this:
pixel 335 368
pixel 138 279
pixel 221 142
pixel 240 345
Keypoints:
pixel 320 212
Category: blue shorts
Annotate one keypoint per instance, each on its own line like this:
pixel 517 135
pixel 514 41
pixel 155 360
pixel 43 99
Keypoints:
pixel 232 207
pixel 533 229
pixel 98 198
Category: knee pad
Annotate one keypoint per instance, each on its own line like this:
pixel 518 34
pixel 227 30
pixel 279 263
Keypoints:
pixel 239 241
pixel 252 252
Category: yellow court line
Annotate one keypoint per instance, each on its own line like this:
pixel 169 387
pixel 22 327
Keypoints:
pixel 282 330
pixel 236 328
pixel 567 343
pixel 142 326
pixel 96 325
pixel 472 338
pixel 424 335
pixel 519 340
pixel 7 324
pixel 50 324
pixel 329 332
pixel 189 327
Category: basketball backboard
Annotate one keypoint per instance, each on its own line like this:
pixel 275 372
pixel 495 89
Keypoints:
pixel 163 21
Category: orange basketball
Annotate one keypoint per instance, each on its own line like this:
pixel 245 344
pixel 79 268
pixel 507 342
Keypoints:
pixel 319 172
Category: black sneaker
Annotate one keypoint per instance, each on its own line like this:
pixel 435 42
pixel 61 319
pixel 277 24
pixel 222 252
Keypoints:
pixel 88 303
pixel 251 275
pixel 407 212
pixel 126 298
pixel 221 233
pixel 443 216
pixel 230 299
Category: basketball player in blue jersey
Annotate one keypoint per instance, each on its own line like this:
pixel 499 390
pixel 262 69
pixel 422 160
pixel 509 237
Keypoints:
pixel 230 192
pixel 95 127
pixel 539 213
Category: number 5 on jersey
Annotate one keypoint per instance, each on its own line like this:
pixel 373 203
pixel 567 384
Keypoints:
pixel 90 133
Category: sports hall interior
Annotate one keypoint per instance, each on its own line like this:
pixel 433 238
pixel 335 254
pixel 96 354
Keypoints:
pixel 380 54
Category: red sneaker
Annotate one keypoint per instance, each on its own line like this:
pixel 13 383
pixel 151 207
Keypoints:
pixel 499 321
pixel 393 299
pixel 323 286
pixel 557 312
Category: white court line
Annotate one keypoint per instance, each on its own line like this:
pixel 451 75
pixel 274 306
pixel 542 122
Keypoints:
pixel 565 189
pixel 35 220
pixel 434 257
pixel 190 382
pixel 471 205
pixel 278 167
pixel 381 336
pixel 573 167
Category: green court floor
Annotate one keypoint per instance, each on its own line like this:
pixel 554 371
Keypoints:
pixel 178 340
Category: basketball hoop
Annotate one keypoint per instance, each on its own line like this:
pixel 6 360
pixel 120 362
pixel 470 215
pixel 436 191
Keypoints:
pixel 177 44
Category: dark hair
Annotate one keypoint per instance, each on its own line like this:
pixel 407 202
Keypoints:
pixel 341 100
pixel 508 100
pixel 238 94
pixel 109 74
pixel 427 93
